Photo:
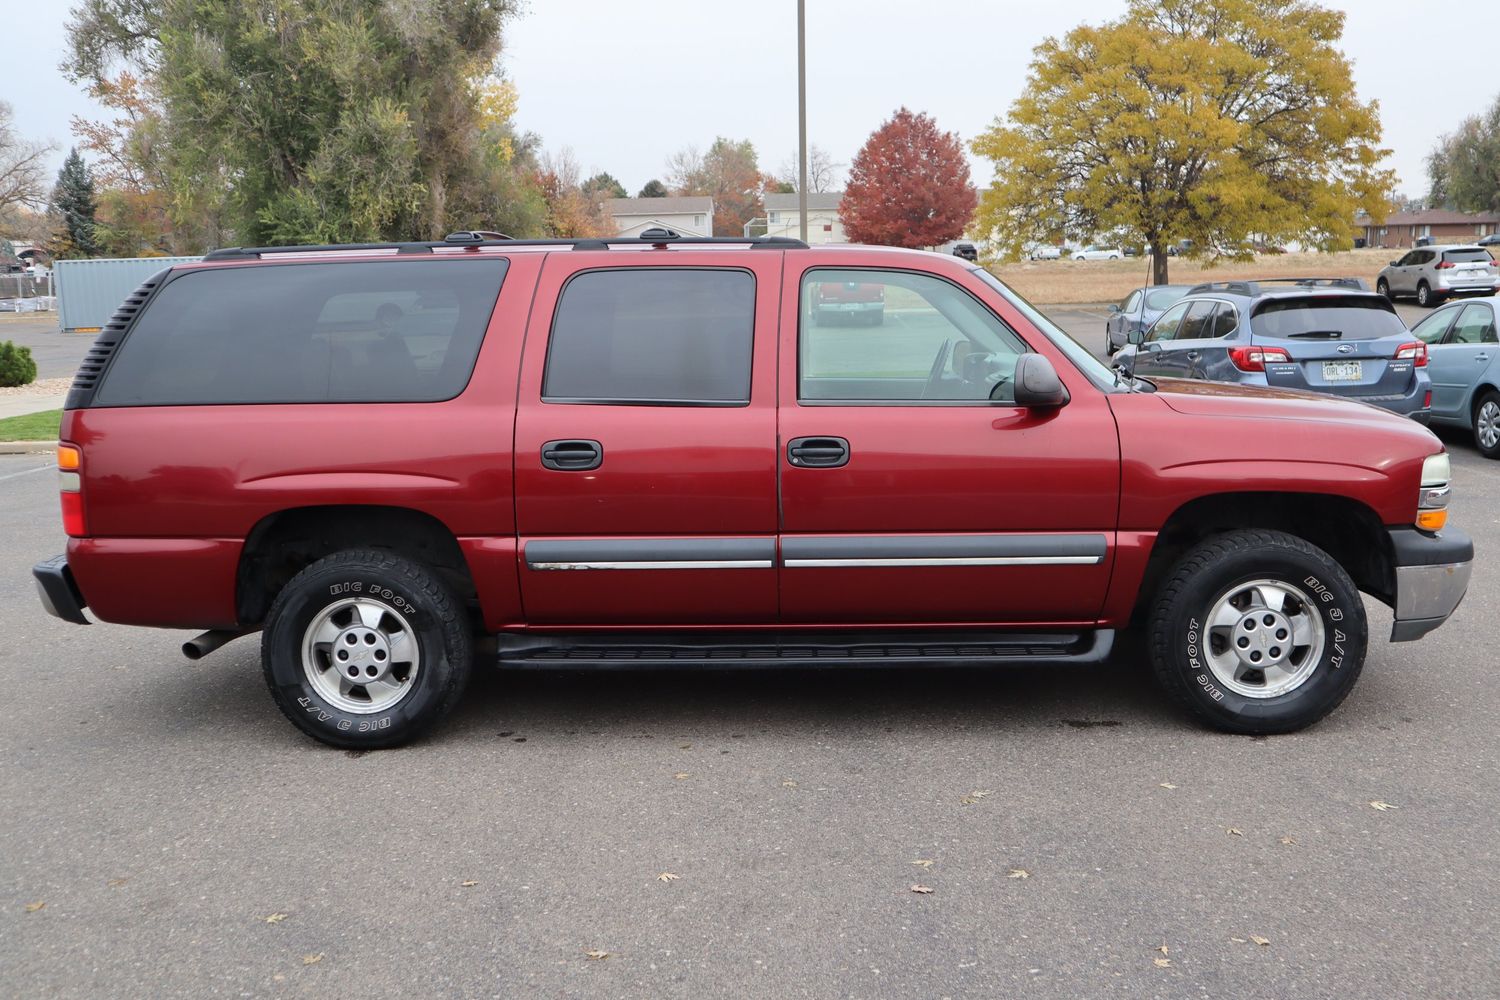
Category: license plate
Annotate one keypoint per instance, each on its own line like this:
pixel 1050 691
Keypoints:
pixel 1342 371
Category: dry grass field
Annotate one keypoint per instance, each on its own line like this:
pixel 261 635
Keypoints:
pixel 1056 282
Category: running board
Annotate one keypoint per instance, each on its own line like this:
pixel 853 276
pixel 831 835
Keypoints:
pixel 855 649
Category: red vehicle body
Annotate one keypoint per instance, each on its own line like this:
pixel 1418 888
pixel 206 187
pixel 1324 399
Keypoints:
pixel 952 529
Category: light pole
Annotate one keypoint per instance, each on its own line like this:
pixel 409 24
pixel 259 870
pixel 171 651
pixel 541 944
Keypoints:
pixel 802 117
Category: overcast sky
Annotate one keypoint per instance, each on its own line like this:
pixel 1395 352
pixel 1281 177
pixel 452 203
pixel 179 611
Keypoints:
pixel 626 84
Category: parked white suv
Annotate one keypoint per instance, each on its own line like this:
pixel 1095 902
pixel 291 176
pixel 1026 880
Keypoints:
pixel 1432 274
pixel 1098 253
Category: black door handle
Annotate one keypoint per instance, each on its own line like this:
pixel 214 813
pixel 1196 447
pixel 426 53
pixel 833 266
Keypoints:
pixel 818 452
pixel 572 456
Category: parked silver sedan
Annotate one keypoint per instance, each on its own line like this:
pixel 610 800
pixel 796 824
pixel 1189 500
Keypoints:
pixel 1433 274
pixel 1463 360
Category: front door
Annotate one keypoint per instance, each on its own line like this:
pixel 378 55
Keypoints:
pixel 1455 364
pixel 645 462
pixel 913 490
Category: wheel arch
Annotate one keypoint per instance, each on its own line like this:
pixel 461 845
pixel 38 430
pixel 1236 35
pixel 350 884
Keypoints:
pixel 282 544
pixel 1347 529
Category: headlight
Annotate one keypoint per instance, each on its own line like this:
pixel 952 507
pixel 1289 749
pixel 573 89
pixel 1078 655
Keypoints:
pixel 1432 502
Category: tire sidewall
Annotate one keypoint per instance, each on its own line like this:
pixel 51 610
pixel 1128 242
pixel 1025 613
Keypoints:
pixel 1488 397
pixel 1333 598
pixel 314 591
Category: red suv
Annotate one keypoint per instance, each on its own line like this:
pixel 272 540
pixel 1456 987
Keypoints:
pixel 647 452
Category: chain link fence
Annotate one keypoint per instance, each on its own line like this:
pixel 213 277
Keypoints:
pixel 27 292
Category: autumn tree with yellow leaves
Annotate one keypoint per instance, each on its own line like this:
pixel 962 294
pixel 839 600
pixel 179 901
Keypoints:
pixel 1224 122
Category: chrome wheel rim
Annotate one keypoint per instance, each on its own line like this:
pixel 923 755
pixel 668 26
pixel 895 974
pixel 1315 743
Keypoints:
pixel 360 655
pixel 1422 295
pixel 1264 638
pixel 1487 425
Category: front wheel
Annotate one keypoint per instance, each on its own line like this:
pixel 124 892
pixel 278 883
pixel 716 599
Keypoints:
pixel 365 649
pixel 1258 632
pixel 1487 424
pixel 1384 288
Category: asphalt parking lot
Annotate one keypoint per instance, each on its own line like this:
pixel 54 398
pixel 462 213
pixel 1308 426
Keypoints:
pixel 167 834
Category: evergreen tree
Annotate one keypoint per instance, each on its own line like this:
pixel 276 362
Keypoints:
pixel 73 206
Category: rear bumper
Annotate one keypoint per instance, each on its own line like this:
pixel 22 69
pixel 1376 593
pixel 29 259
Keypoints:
pixel 59 591
pixel 1432 576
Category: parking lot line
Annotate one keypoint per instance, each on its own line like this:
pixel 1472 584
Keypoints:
pixel 18 475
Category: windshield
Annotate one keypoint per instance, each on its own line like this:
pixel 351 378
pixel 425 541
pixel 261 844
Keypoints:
pixel 1092 368
pixel 1326 318
pixel 1161 299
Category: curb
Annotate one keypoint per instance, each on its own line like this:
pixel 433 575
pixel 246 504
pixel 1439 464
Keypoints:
pixel 26 447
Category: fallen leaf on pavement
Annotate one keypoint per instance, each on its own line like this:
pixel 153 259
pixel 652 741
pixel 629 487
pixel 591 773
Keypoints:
pixel 1289 841
pixel 470 883
pixel 681 774
pixel 974 797
pixel 597 955
pixel 1233 832
pixel 1019 873
pixel 276 918
pixel 1237 940
pixel 33 907
pixel 1162 963
pixel 1263 942
pixel 788 783
pixel 926 863
pixel 1382 806
pixel 923 889
pixel 312 959
pixel 1167 784
pixel 1161 948
pixel 667 877
pixel 115 883
pixel 685 746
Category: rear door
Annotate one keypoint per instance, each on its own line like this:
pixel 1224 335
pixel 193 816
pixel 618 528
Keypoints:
pixel 1455 364
pixel 645 461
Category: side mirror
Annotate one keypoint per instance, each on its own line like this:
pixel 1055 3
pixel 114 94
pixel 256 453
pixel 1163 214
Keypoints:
pixel 1137 337
pixel 1036 383
pixel 1114 307
pixel 1395 263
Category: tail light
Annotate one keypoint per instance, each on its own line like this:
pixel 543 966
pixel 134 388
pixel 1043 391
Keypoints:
pixel 1415 352
pixel 1445 265
pixel 1255 359
pixel 70 487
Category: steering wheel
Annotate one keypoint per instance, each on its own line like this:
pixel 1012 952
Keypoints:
pixel 935 376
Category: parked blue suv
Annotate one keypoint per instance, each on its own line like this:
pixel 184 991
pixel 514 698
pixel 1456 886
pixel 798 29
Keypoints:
pixel 1330 335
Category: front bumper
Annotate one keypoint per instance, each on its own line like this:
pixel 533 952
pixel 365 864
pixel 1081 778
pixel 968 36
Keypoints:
pixel 59 591
pixel 1432 576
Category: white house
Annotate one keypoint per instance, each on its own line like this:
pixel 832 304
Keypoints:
pixel 687 216
pixel 783 217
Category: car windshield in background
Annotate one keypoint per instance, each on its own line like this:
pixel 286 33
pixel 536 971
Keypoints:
pixel 1093 369
pixel 1162 299
pixel 1467 256
pixel 1328 318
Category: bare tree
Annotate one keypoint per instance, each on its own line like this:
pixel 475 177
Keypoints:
pixel 23 168
pixel 685 173
pixel 822 173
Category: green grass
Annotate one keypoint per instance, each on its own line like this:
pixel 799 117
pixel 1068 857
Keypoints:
pixel 31 427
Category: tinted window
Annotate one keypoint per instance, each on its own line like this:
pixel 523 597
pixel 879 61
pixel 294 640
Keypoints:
pixel 1225 321
pixel 1195 325
pixel 1431 329
pixel 657 335
pixel 892 335
pixel 1330 318
pixel 376 331
pixel 1162 298
pixel 1466 256
pixel 1475 326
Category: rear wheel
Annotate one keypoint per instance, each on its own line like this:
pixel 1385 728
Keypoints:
pixel 365 649
pixel 1487 424
pixel 1424 295
pixel 1384 288
pixel 1258 632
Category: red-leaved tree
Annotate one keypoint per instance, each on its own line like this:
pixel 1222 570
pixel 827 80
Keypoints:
pixel 908 186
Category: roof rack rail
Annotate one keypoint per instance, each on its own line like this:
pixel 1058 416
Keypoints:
pixel 1253 288
pixel 473 240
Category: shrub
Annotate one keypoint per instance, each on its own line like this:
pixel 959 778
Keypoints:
pixel 16 366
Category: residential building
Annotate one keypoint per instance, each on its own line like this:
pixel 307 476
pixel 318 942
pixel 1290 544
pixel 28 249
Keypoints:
pixel 784 217
pixel 685 216
pixel 1402 229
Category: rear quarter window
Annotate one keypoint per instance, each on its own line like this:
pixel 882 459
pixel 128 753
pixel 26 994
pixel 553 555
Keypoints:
pixel 1326 318
pixel 311 332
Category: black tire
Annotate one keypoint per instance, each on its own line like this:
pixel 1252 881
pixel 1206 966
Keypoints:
pixel 1178 645
pixel 1384 288
pixel 1490 398
pixel 436 619
pixel 1424 295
